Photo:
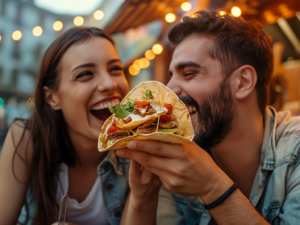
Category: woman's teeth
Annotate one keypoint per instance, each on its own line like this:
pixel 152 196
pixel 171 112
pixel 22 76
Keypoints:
pixel 192 109
pixel 107 104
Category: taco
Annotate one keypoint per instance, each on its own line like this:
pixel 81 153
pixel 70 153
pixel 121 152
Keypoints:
pixel 150 111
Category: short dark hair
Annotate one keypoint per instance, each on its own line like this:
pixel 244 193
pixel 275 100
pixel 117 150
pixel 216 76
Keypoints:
pixel 237 43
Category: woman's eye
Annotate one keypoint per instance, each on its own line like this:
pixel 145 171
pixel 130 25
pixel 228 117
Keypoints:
pixel 115 68
pixel 84 74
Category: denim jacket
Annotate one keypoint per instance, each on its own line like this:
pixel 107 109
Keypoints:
pixel 113 172
pixel 276 188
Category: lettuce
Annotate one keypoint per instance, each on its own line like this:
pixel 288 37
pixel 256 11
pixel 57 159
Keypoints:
pixel 169 131
pixel 149 95
pixel 123 110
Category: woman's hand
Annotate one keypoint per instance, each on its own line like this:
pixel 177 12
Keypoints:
pixel 144 186
pixel 141 205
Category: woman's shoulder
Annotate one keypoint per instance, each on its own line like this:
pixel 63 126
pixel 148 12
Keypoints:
pixel 19 139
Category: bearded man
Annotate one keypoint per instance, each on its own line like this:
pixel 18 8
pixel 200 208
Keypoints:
pixel 222 67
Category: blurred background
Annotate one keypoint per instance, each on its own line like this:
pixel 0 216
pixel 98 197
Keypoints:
pixel 139 28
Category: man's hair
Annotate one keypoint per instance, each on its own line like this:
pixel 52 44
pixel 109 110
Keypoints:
pixel 236 43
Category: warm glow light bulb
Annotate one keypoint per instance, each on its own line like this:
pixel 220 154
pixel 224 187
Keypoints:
pixel 0 37
pixel 78 21
pixel 133 71
pixel 57 25
pixel 37 31
pixel 170 17
pixel 186 6
pixel 236 11
pixel 149 54
pixel 16 35
pixel 157 49
pixel 146 62
pixel 222 13
pixel 98 15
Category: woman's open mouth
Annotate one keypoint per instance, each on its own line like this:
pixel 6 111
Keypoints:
pixel 101 112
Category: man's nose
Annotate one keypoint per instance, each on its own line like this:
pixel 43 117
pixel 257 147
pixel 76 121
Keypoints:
pixel 174 86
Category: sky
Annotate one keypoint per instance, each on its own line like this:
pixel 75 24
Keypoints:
pixel 70 7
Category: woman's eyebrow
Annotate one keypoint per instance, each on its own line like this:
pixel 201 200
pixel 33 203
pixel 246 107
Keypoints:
pixel 113 61
pixel 84 65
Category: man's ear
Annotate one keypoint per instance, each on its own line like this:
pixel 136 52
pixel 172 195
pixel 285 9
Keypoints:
pixel 246 79
pixel 51 98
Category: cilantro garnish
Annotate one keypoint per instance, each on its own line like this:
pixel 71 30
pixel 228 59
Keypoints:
pixel 123 110
pixel 149 95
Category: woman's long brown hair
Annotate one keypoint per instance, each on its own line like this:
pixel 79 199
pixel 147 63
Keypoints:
pixel 51 141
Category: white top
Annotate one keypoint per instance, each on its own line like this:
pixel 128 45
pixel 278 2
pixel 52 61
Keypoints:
pixel 91 211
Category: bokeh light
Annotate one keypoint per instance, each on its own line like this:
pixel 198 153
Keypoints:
pixel 16 35
pixel 57 25
pixel 146 63
pixel 149 54
pixel 37 31
pixel 222 13
pixel 78 21
pixel 170 17
pixel 236 11
pixel 157 49
pixel 133 71
pixel 98 15
pixel 186 6
pixel 0 37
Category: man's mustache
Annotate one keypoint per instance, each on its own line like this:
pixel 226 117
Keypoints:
pixel 189 101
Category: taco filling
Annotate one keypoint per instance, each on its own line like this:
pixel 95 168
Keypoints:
pixel 137 117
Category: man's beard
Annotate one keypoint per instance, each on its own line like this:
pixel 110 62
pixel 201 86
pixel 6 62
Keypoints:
pixel 215 116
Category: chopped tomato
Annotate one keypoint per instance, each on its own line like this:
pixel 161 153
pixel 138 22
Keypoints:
pixel 114 122
pixel 112 129
pixel 169 107
pixel 128 120
pixel 165 118
pixel 142 103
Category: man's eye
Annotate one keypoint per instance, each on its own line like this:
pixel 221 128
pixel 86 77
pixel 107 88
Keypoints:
pixel 115 68
pixel 84 74
pixel 188 74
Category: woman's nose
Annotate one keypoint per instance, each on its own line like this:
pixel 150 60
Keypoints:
pixel 106 83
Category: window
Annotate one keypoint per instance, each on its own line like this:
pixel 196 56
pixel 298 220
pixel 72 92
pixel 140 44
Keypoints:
pixel 16 51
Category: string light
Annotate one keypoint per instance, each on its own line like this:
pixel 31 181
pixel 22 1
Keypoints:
pixel 78 21
pixel 186 6
pixel 157 49
pixel 98 15
pixel 149 54
pixel 146 62
pixel 57 25
pixel 236 11
pixel 16 35
pixel 170 17
pixel 133 71
pixel 37 31
pixel 222 13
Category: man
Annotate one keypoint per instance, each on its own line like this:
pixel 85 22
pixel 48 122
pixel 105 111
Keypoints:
pixel 223 66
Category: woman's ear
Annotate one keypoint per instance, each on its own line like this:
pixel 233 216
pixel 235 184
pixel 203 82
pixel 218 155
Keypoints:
pixel 51 98
pixel 246 80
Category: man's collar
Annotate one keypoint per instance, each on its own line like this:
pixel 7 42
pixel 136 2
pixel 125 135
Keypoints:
pixel 268 149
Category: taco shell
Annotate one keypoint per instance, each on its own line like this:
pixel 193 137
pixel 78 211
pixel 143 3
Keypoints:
pixel 161 95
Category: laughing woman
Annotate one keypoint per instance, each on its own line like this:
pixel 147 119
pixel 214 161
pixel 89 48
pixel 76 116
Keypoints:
pixel 55 151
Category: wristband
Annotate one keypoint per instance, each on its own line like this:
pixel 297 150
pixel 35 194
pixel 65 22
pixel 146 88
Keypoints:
pixel 222 197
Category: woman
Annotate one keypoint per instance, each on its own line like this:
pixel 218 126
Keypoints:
pixel 55 151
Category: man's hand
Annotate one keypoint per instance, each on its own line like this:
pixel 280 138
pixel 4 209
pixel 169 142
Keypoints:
pixel 183 168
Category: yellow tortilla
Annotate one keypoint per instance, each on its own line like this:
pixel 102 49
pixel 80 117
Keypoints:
pixel 161 95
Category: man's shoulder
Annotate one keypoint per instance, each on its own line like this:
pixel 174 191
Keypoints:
pixel 287 138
